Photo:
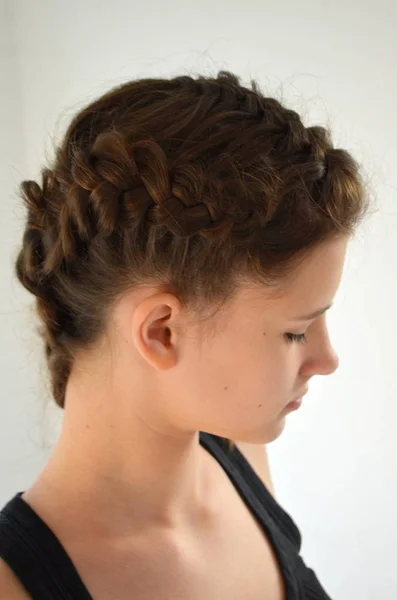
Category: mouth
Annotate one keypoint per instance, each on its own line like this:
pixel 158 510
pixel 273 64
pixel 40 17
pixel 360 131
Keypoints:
pixel 301 395
pixel 296 402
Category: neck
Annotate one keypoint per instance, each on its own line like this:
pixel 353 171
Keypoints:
pixel 116 464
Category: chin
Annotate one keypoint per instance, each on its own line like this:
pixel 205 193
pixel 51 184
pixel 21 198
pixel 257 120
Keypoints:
pixel 275 432
pixel 263 436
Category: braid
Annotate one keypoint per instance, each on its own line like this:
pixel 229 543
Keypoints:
pixel 32 271
pixel 189 183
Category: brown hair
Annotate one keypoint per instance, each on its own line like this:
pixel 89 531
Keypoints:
pixel 191 183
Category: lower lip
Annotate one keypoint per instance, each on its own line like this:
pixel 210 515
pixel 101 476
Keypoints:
pixel 295 404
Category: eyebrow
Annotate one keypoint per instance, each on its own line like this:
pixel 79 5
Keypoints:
pixel 313 315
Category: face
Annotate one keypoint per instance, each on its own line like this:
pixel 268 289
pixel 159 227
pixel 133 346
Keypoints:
pixel 236 376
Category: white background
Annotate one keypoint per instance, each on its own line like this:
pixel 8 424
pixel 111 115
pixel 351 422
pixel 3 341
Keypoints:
pixel 335 466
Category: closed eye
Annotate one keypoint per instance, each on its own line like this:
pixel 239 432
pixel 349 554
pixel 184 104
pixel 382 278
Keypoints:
pixel 298 338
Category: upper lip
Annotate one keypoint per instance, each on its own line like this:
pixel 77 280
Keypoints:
pixel 301 395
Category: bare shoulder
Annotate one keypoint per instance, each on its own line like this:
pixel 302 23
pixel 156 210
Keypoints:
pixel 10 586
pixel 257 456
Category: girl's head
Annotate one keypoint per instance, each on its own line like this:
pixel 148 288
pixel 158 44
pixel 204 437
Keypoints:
pixel 182 228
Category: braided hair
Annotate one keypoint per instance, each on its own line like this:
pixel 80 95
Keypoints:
pixel 191 183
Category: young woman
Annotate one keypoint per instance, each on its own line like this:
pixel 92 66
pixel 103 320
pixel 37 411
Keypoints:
pixel 183 249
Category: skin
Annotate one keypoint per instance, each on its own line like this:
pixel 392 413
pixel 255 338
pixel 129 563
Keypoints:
pixel 128 459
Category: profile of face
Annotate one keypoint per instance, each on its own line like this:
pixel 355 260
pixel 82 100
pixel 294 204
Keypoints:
pixel 234 375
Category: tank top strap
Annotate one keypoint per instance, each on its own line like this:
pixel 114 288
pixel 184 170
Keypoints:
pixel 258 499
pixel 234 460
pixel 36 556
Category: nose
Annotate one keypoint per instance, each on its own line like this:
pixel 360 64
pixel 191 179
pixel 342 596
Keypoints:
pixel 324 363
pixel 327 363
pixel 322 358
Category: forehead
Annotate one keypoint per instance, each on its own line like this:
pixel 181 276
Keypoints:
pixel 321 269
pixel 313 284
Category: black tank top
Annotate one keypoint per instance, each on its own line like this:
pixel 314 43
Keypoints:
pixel 41 563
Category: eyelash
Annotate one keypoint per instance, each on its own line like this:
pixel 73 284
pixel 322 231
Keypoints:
pixel 298 338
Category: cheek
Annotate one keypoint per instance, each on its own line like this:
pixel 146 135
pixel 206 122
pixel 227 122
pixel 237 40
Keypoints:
pixel 274 379
pixel 243 391
pixel 233 381
pixel 248 375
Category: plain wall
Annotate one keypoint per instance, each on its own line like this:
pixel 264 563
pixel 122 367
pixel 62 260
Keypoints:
pixel 335 465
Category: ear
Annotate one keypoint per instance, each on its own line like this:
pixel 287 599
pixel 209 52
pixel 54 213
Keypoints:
pixel 257 456
pixel 155 332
